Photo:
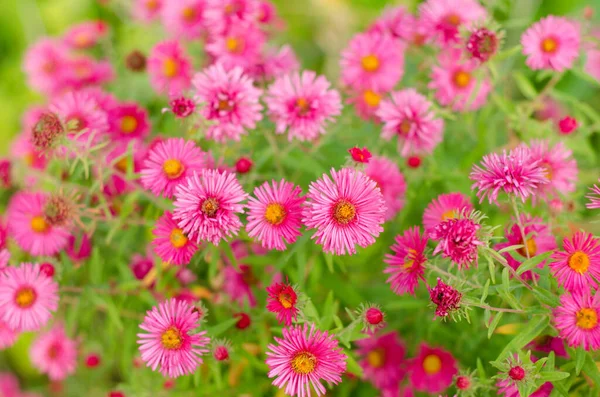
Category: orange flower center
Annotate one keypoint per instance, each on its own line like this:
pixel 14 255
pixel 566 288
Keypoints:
pixel 128 124
pixel 188 14
pixel 304 363
pixel 171 339
pixel 275 214
pixel 587 318
pixel 170 67
pixel 450 214
pixel 432 364
pixel 371 98
pixel 531 248
pixel 409 262
pixel 122 165
pixel 177 238
pixel 25 297
pixel 82 40
pixel 376 358
pixel 234 44
pixel 405 126
pixel 453 19
pixel 370 63
pixel 173 168
pixel 344 212
pixel 579 262
pixel 547 171
pixel 303 106
pixel 152 5
pixel 209 207
pixel 549 45
pixel 285 300
pixel 39 224
pixel 461 78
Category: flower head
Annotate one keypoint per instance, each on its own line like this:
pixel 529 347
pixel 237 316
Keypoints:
pixel 578 267
pixel 282 299
pixel 577 319
pixel 407 265
pixel 446 298
pixel 170 243
pixel 432 370
pixel 239 46
pixel 54 354
pixel 445 206
pixel 147 10
pixel 394 21
pixel 128 121
pixel 559 166
pixel 390 181
pixel 47 131
pixel 373 319
pixel 594 197
pixel 382 358
pixel 8 336
pixel 182 107
pixel 44 63
pixel 360 155
pixel 85 34
pixel 185 18
pixel 444 18
pixel 482 44
pixel 551 43
pixel 169 67
pixel 458 240
pixel 567 125
pixel 238 283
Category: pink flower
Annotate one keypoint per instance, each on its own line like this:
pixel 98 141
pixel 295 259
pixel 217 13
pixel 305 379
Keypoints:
pixel 592 63
pixel 171 244
pixel 239 46
pixel 44 63
pixel 29 227
pixel 238 283
pixel 206 205
pixel 345 211
pixel 169 163
pixel 274 216
pixel 304 357
pixel 547 344
pixel 274 64
pixel 538 239
pixel 85 34
pixel 382 359
pixel 124 159
pixel 559 166
pixel 128 121
pixel 169 67
pixel 444 207
pixel 231 102
pixel 456 83
pixel 27 297
pixel 594 197
pixel 23 148
pixel 372 318
pixel 432 370
pixel 79 248
pixel 445 298
pixel 84 71
pixel 360 155
pixel 302 103
pixel 141 265
pixel 567 124
pixel 408 116
pixel 54 354
pixel 507 388
pixel 181 107
pixel 224 14
pixel 576 319
pixel 147 10
pixel 8 336
pixel 169 340
pixel 444 17
pixel 185 18
pixel 282 300
pixel 407 265
pixel 515 172
pixel 395 21
pixel 366 103
pixel 372 61
pixel 578 267
pixel 482 44
pixel 551 43
pixel 458 240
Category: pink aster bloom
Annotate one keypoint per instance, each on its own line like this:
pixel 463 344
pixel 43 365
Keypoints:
pixel 22 148
pixel 551 43
pixel 238 283
pixel 409 116
pixel 538 239
pixel 44 63
pixel 346 210
pixel 382 359
pixel 169 68
pixel 594 197
pixel 303 104
pixel 395 21
pixel 147 10
pixel 560 168
pixel 274 216
pixel 282 299
pixel 29 227
pixel 445 206
pixel 79 247
pixel 54 354
pixel 507 388
pixel 547 344
pixel 224 14
pixel 86 34
pixel 128 121
pixel 432 370
pixel 185 18
pixel 303 358
pixel 274 64
pixel 169 341
pixel 27 297
pixel 239 46
pixel 372 61
pixel 366 103
pixel 516 173
pixel 84 71
pixel 458 240
pixel 207 204
pixel 444 18
pixel 576 319
pixel 169 163
pixel 578 267
pixel 456 82
pixel 407 264
pixel 171 244
pixel 231 102
pixel 592 63
pixel 8 336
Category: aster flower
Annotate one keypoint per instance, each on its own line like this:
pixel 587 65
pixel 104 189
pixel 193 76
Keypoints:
pixel 128 121
pixel 282 299
pixel 27 297
pixel 169 341
pixel 8 336
pixel 444 18
pixel 169 163
pixel 407 265
pixel 86 34
pixel 44 63
pixel 126 161
pixel 446 298
pixel 408 116
pixel 547 344
pixel 274 64
pixel 594 197
pixel 224 14
pixel 578 267
pixel 230 102
pixel 303 104
pixel 445 206
pixel 456 84
pixel 147 10
pixel 458 240
pixel 47 131
pixel 185 18
pixel 507 388
pixel 372 61
pixel 576 319
pixel 239 46
pixel 84 71
pixel 394 21
pixel 206 205
pixel 366 103
pixel 346 210
pixel 515 172
pixel 171 244
pixel 274 214
pixel 559 166
pixel 169 67
pixel 54 353
pixel 360 155
pixel 304 357
pixel 432 370
pixel 238 283
pixel 181 107
pixel 382 358
pixel 551 43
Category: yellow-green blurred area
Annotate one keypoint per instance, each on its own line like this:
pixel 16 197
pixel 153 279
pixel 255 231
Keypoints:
pixel 317 30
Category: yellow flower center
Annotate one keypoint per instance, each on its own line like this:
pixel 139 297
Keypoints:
pixel 404 127
pixel 170 67
pixel 461 78
pixel 587 318
pixel 432 364
pixel 579 261
pixel 304 363
pixel 285 300
pixel 450 214
pixel 344 212
pixel 275 214
pixel 225 105
pixel 370 63
pixel 122 165
pixel 82 39
pixel 303 106
pixel 152 5
pixel 376 358
pixel 371 98
pixel 171 339
pixel 177 238
pixel 209 207
pixel 188 14
pixel 549 45
pixel 128 124
pixel 173 168
pixel 547 171
pixel 39 224
pixel 531 248
pixel 408 261
pixel 234 44
pixel 453 19
pixel 25 297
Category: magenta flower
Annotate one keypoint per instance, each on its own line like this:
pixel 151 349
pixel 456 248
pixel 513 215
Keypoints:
pixel 44 63
pixel 185 18
pixel 171 244
pixel 231 102
pixel 8 336
pixel 559 166
pixel 128 121
pixel 382 359
pixel 551 43
pixel 207 204
pixel 85 34
pixel 578 267
pixel 239 46
pixel 274 64
pixel 432 370
pixel 54 353
pixel 27 297
pixel 274 214
pixel 303 104
pixel 445 298
pixel 444 18
pixel 169 68
pixel 394 21
pixel 407 265
pixel 445 206
pixel 409 116
pixel 576 319
pixel 458 240
pixel 345 211
pixel 366 104
pixel 224 14
pixel 360 155
pixel 238 282
pixel 282 299
pixel 482 44
pixel 304 357
pixel 594 197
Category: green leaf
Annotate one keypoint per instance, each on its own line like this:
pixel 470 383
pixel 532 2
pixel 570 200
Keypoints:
pixel 524 85
pixel 352 366
pixel 533 262
pixel 511 248
pixel 494 324
pixel 580 355
pixel 329 261
pixel 546 297
pixel 108 305
pixel 218 329
pixel 492 269
pixel 486 289
pixel 552 376
pixel 531 331
pixel 591 369
pixel 505 280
